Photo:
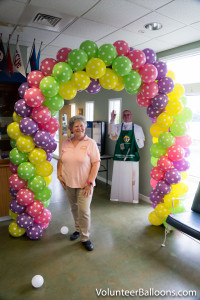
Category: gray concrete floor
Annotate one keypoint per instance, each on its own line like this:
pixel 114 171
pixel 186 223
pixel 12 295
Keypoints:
pixel 127 256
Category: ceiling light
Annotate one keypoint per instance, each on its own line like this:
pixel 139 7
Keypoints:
pixel 153 26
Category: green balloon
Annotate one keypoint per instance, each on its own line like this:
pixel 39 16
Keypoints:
pixel 36 184
pixel 184 100
pixel 90 48
pixel 62 72
pixel 77 59
pixel 178 128
pixel 44 195
pixel 184 116
pixel 26 170
pixel 107 53
pixel 166 139
pixel 157 150
pixel 17 157
pixel 53 112
pixel 169 227
pixel 180 208
pixel 46 203
pixel 132 81
pixel 122 65
pixel 49 86
pixel 131 91
pixel 13 143
pixel 154 161
pixel 54 103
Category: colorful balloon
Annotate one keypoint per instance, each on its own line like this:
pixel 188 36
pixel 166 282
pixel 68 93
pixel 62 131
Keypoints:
pixel 22 109
pixel 62 54
pixel 49 86
pixel 25 143
pixel 148 73
pixel 122 65
pixel 149 90
pixel 67 90
pixel 54 103
pixel 34 97
pixel 122 47
pixel 34 78
pixel 62 72
pixel 175 152
pixel 13 130
pixel 28 126
pixel 150 55
pixel 26 170
pixel 138 59
pixel 109 79
pixel 172 176
pixel 25 196
pixel 77 59
pixel 24 220
pixel 107 53
pixel 35 208
pixel 47 65
pixel 154 219
pixel 94 86
pixel 34 232
pixel 15 230
pixel 90 48
pixel 17 157
pixel 95 68
pixel 22 89
pixel 36 184
pixel 37 156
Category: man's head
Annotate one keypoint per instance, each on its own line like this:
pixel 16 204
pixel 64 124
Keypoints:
pixel 127 116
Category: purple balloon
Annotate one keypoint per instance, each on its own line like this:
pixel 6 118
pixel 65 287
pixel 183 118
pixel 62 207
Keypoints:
pixel 156 197
pixel 94 87
pixel 28 126
pixel 131 49
pixel 165 85
pixel 42 138
pixel 153 120
pixel 181 165
pixel 160 101
pixel 16 208
pixel 153 112
pixel 51 147
pixel 24 220
pixel 22 109
pixel 49 156
pixel 35 231
pixel 23 88
pixel 13 192
pixel 161 68
pixel 187 152
pixel 150 55
pixel 172 176
pixel 163 187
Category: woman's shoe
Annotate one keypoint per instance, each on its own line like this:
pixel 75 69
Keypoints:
pixel 88 245
pixel 74 236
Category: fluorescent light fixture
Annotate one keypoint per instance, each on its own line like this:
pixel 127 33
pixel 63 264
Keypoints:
pixel 153 26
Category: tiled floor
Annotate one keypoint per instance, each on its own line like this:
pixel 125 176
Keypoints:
pixel 127 256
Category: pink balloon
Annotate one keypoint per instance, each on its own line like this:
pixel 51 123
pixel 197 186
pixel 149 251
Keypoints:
pixel 148 73
pixel 149 90
pixel 25 196
pixel 62 54
pixel 157 173
pixel 153 183
pixel 143 101
pixel 184 141
pixel 34 78
pixel 34 97
pixel 44 226
pixel 47 65
pixel 35 208
pixel 13 167
pixel 138 58
pixel 41 114
pixel 122 47
pixel 164 163
pixel 16 182
pixel 51 126
pixel 175 153
pixel 44 217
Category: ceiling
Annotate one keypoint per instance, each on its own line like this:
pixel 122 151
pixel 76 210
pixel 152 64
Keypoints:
pixel 102 21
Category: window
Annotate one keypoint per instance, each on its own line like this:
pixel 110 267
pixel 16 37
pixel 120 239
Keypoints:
pixel 89 111
pixel 73 109
pixel 115 104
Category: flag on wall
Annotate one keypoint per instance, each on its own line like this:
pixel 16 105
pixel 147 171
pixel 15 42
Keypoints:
pixel 33 60
pixel 38 58
pixel 17 61
pixel 9 61
pixel 3 61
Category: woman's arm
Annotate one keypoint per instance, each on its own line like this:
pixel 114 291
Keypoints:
pixel 93 174
pixel 59 173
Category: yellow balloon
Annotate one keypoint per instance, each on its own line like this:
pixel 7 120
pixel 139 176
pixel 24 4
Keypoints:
pixel 37 156
pixel 109 79
pixel 81 80
pixel 48 179
pixel 162 211
pixel 170 74
pixel 67 90
pixel 16 118
pixel 168 202
pixel 155 140
pixel 165 120
pixel 95 68
pixel 44 169
pixel 177 92
pixel 13 130
pixel 15 230
pixel 119 86
pixel 154 219
pixel 174 107
pixel 179 189
pixel 25 143
pixel 156 130
pixel 184 175
pixel 13 215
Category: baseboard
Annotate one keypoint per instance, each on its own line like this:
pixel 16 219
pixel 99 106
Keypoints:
pixel 104 180
pixel 6 218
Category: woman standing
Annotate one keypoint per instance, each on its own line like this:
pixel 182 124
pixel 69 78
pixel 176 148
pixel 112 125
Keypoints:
pixel 77 169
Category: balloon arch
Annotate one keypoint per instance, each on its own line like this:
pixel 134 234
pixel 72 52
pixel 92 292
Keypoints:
pixel 90 68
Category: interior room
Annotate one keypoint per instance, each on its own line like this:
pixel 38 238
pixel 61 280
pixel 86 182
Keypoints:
pixel 130 257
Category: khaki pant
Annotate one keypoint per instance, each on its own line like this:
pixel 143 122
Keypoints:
pixel 80 208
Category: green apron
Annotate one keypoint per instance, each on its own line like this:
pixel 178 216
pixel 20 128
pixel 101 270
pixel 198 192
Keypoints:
pixel 126 148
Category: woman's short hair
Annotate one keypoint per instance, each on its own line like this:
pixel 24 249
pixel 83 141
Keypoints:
pixel 75 119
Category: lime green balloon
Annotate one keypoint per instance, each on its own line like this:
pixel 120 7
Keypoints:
pixel 36 184
pixel 157 150
pixel 154 161
pixel 54 112
pixel 17 157
pixel 131 91
pixel 49 86
pixel 62 72
pixel 54 103
pixel 169 227
pixel 122 65
pixel 90 48
pixel 13 143
pixel 132 81
pixel 180 208
pixel 107 53
pixel 44 195
pixel 166 139
pixel 26 170
pixel 77 59
pixel 178 128
pixel 46 203
pixel 185 115
pixel 184 100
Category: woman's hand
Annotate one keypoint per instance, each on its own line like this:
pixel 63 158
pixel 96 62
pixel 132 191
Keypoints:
pixel 87 190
